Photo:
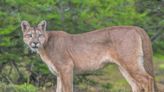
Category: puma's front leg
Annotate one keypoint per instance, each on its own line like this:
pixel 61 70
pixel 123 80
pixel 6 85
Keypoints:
pixel 67 79
pixel 59 84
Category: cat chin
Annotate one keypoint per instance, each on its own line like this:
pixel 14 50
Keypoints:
pixel 34 49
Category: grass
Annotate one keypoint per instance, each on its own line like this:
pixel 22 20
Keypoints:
pixel 111 80
pixel 17 88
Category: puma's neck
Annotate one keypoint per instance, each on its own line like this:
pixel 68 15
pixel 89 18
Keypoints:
pixel 53 39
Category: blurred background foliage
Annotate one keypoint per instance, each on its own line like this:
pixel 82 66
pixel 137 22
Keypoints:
pixel 19 66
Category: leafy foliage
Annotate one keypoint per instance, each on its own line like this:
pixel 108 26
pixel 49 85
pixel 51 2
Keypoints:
pixel 154 22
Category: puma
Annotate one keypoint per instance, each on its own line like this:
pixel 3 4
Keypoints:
pixel 128 47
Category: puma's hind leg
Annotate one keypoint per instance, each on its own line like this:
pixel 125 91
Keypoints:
pixel 145 82
pixel 138 80
pixel 130 79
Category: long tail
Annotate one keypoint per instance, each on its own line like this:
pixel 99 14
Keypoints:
pixel 148 54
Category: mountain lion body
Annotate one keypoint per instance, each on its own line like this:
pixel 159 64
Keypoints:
pixel 126 46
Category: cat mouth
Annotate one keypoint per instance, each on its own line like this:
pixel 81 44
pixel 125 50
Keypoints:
pixel 34 49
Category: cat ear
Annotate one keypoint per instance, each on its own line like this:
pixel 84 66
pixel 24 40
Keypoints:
pixel 25 25
pixel 42 25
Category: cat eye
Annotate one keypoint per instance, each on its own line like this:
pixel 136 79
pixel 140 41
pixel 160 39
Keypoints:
pixel 30 35
pixel 40 35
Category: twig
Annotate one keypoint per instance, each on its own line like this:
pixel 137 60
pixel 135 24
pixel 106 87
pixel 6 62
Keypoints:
pixel 159 32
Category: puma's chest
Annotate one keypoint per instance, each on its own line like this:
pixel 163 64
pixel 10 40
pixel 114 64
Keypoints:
pixel 49 63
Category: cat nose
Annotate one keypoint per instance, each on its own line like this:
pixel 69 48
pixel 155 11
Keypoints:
pixel 34 44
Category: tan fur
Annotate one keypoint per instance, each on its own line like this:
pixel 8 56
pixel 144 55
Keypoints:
pixel 126 46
